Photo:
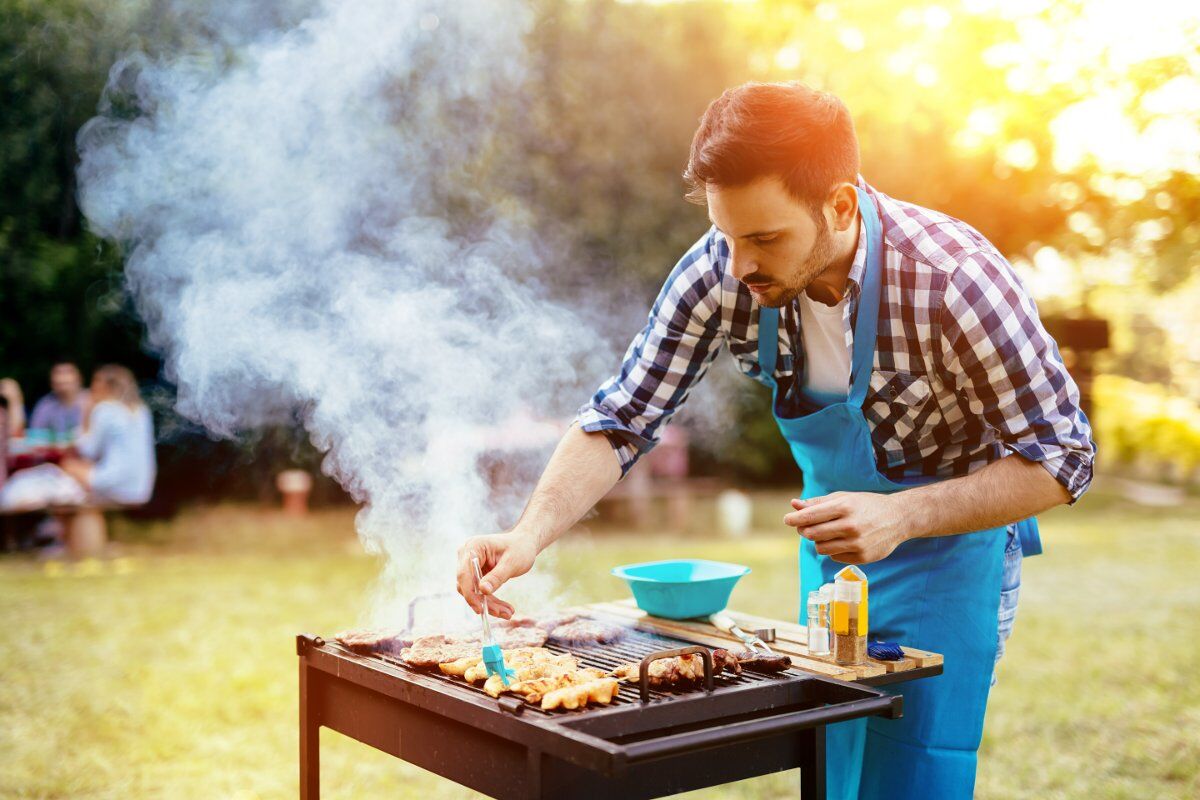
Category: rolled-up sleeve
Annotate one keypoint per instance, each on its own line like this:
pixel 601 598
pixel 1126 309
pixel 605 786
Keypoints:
pixel 666 359
pixel 1009 371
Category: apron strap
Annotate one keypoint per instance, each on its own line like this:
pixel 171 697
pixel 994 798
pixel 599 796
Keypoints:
pixel 768 342
pixel 867 323
pixel 866 326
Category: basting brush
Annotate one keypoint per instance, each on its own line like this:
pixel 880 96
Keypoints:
pixel 493 656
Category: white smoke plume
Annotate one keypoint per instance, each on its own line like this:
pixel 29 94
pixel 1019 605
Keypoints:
pixel 288 207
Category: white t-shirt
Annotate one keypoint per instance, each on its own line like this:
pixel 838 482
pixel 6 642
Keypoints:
pixel 826 354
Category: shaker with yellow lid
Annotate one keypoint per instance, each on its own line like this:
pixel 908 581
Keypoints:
pixel 850 616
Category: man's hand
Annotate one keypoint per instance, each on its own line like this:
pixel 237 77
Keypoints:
pixel 851 527
pixel 501 556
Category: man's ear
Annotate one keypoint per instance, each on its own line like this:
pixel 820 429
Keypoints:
pixel 843 203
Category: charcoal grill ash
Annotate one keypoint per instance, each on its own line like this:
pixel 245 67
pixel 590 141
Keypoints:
pixel 744 726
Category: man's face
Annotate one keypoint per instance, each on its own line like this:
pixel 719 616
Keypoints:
pixel 65 381
pixel 776 247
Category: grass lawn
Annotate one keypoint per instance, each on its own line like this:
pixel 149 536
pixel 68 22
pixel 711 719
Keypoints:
pixel 171 672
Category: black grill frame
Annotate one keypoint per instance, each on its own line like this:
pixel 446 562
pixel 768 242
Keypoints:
pixel 747 726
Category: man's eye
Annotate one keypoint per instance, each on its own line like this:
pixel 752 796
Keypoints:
pixel 765 239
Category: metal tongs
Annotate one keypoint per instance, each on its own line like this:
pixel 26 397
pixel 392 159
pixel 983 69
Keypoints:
pixel 752 641
pixel 493 656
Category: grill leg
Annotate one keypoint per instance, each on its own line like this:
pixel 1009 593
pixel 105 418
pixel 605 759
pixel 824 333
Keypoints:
pixel 310 742
pixel 812 764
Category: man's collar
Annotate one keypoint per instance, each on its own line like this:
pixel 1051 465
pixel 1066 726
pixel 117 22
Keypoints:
pixel 860 254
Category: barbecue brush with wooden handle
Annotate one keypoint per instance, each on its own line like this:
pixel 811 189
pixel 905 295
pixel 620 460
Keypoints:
pixel 493 656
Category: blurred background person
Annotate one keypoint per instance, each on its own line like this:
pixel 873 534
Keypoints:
pixel 62 410
pixel 115 462
pixel 14 400
pixel 116 449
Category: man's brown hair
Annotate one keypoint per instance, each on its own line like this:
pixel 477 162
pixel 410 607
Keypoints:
pixel 803 135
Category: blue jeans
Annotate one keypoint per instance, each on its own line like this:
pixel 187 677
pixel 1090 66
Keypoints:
pixel 1010 591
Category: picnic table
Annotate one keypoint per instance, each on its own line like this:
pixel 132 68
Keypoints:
pixel 23 454
pixel 85 525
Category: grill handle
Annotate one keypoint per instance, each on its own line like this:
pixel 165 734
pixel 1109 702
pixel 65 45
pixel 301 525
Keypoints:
pixel 882 705
pixel 644 667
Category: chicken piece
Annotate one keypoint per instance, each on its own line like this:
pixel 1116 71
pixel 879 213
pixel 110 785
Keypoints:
pixel 665 672
pixel 533 687
pixel 564 665
pixel 534 691
pixel 586 631
pixel 601 691
pixel 459 666
pixel 723 660
pixel 517 659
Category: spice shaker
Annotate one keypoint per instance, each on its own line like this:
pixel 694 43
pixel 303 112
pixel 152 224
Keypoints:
pixel 850 616
pixel 818 620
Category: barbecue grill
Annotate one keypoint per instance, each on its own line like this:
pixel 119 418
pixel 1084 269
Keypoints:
pixel 647 743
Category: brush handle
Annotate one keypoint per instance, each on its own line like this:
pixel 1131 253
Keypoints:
pixel 487 623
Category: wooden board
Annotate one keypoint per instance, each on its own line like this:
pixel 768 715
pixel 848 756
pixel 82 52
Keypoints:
pixel 706 634
pixel 791 639
pixel 702 633
pixel 794 632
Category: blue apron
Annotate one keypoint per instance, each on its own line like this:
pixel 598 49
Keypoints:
pixel 939 594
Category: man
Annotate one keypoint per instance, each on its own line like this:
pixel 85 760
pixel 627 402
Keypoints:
pixel 62 410
pixel 928 409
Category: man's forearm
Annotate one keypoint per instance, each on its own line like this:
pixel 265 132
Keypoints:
pixel 582 470
pixel 1003 492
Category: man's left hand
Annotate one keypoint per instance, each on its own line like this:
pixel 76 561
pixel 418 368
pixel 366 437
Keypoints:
pixel 851 527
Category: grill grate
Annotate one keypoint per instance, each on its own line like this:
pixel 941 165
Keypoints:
pixel 635 646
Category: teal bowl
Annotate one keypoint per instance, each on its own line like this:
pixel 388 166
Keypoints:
pixel 681 588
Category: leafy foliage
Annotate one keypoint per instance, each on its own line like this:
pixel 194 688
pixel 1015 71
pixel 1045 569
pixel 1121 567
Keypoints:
pixel 956 108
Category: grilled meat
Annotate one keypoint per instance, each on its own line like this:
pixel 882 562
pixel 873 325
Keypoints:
pixel 687 668
pixel 537 680
pixel 601 690
pixel 429 652
pixel 761 662
pixel 458 667
pixel 535 690
pixel 373 640
pixel 552 621
pixel 527 664
pixel 724 660
pixel 585 632
pixel 677 670
pixel 520 637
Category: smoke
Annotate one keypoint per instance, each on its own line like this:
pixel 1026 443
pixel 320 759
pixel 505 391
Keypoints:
pixel 310 227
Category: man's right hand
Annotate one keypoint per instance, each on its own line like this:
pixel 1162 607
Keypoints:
pixel 501 556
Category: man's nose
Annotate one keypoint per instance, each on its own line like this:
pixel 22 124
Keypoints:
pixel 740 262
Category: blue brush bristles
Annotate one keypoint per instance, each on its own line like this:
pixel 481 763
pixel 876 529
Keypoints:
pixel 885 651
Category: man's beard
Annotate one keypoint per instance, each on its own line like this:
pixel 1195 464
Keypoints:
pixel 818 260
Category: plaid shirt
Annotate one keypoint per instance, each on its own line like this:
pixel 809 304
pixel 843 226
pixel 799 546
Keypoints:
pixel 964 370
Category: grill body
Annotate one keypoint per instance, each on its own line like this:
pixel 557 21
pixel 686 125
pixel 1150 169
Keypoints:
pixel 746 726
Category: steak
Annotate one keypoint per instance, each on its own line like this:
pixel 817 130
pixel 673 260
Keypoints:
pixel 761 662
pixel 428 652
pixel 586 631
pixel 373 640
